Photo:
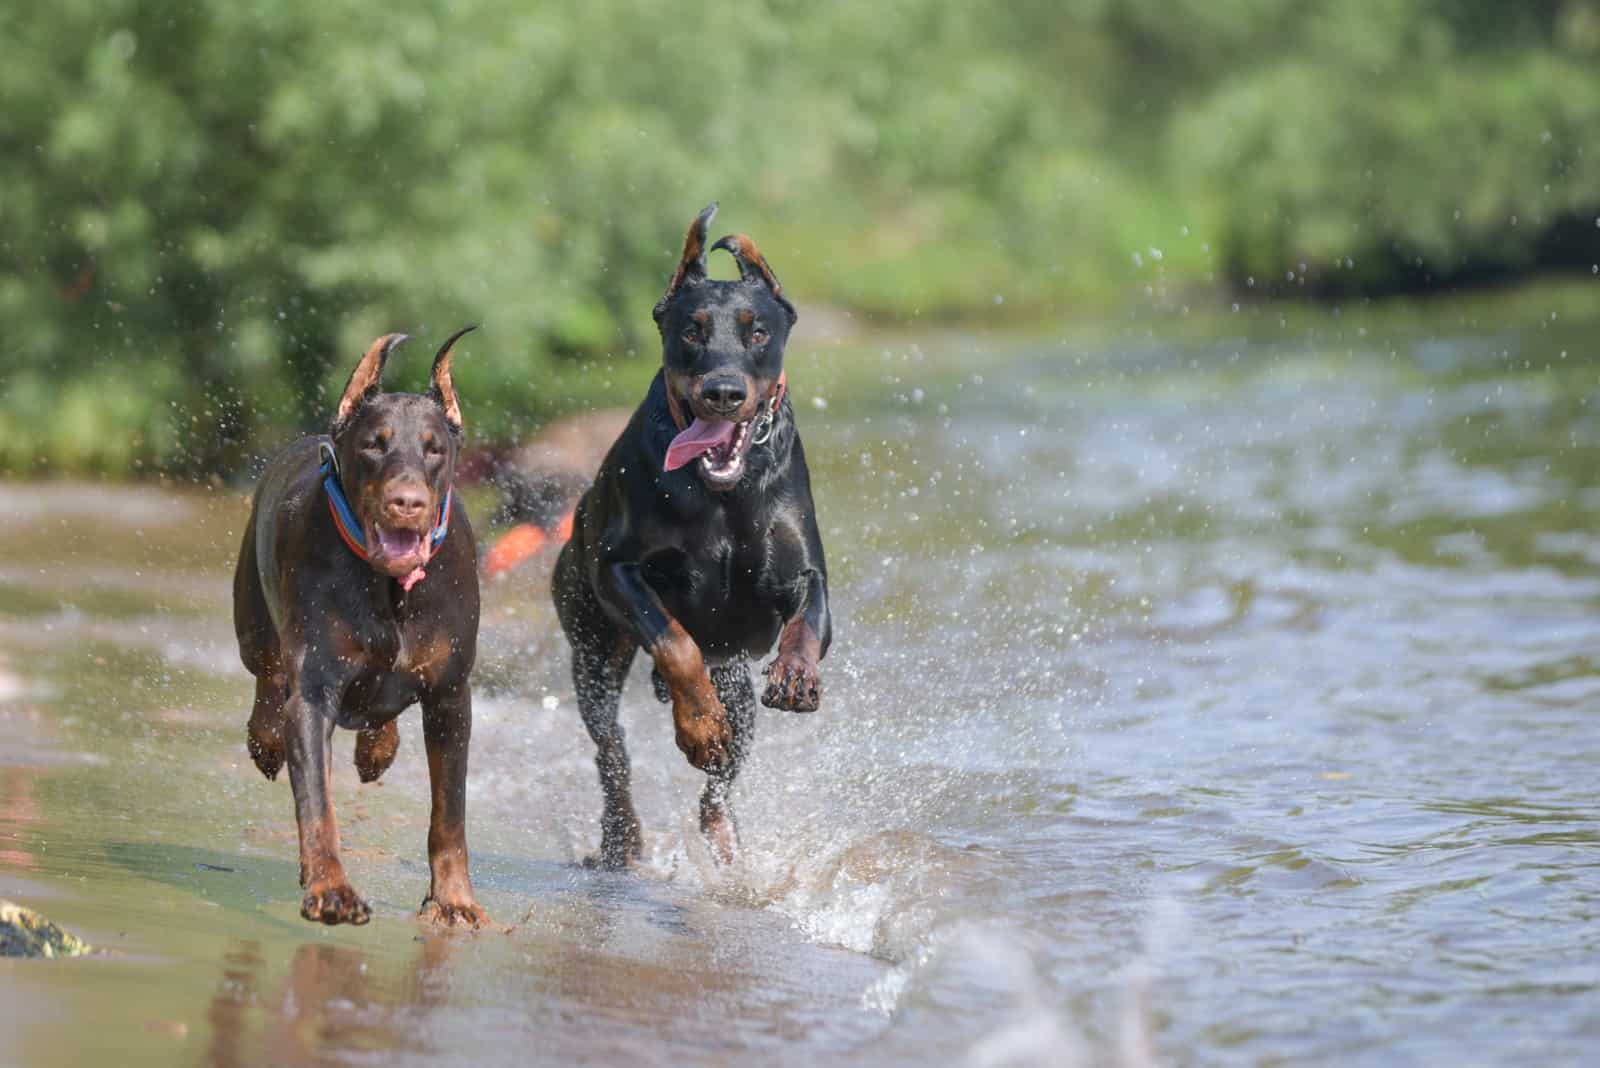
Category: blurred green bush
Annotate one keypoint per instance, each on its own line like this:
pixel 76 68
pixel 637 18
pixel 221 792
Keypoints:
pixel 207 208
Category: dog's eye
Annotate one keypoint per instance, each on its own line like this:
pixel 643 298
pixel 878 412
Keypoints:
pixel 432 448
pixel 373 445
pixel 758 336
pixel 692 336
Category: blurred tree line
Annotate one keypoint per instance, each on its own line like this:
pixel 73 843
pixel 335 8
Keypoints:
pixel 208 207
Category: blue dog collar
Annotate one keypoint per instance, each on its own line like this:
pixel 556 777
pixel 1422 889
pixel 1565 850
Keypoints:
pixel 344 517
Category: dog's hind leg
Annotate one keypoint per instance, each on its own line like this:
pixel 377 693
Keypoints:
pixel 264 738
pixel 738 696
pixel 262 656
pixel 375 750
pixel 598 672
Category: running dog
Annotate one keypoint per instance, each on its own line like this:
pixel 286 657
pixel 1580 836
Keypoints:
pixel 698 543
pixel 356 596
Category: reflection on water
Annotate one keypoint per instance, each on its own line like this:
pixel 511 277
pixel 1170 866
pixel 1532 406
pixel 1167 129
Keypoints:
pixel 331 999
pixel 1223 700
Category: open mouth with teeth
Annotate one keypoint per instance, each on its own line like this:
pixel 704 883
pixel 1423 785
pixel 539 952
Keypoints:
pixel 395 551
pixel 718 444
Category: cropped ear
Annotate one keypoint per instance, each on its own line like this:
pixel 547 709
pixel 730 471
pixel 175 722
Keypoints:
pixel 443 390
pixel 692 264
pixel 366 381
pixel 753 269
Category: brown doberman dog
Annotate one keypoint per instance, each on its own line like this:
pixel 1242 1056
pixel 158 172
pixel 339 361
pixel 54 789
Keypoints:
pixel 356 596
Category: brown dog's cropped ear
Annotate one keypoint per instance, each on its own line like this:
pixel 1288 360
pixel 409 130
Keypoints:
pixel 692 264
pixel 443 389
pixel 365 381
pixel 753 268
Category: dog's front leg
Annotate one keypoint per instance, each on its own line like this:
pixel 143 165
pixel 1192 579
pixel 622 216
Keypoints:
pixel 308 726
pixel 699 721
pixel 793 680
pixel 447 731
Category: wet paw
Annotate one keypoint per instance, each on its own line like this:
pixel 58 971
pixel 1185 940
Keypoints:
pixel 375 751
pixel 334 903
pixel 611 858
pixel 462 913
pixel 793 684
pixel 267 750
pixel 703 734
pixel 720 834
pixel 621 843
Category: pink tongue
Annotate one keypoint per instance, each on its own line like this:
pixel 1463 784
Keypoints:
pixel 398 542
pixel 699 439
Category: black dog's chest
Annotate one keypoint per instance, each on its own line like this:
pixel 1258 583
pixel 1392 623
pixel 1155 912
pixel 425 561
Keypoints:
pixel 716 574
pixel 722 594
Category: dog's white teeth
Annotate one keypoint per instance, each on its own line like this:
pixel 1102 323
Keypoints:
pixel 726 469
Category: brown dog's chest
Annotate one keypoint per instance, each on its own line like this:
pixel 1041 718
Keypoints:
pixel 398 664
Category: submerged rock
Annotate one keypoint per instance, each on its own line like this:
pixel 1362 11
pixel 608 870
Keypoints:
pixel 25 933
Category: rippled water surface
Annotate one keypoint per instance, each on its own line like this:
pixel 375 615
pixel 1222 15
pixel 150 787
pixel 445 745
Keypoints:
pixel 1228 699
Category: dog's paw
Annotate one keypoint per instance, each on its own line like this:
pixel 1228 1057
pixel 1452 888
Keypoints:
pixel 375 751
pixel 793 684
pixel 703 733
pixel 621 843
pixel 267 750
pixel 332 903
pixel 462 913
pixel 612 856
pixel 716 826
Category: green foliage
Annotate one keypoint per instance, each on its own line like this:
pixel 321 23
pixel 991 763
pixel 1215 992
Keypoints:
pixel 1389 145
pixel 208 208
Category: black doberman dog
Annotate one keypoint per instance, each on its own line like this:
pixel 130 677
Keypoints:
pixel 339 628
pixel 698 542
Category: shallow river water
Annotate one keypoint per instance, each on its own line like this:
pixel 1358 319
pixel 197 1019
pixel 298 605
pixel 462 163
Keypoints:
pixel 1230 697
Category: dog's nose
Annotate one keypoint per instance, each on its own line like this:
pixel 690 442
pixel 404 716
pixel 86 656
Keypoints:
pixel 723 394
pixel 405 501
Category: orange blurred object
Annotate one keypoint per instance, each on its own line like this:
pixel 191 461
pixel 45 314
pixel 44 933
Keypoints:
pixel 513 547
pixel 519 543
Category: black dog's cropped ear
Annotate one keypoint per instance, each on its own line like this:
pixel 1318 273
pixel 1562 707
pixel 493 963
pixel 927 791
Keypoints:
pixel 366 380
pixel 692 264
pixel 443 390
pixel 753 268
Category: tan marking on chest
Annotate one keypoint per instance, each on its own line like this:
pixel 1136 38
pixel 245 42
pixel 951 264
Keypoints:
pixel 424 657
